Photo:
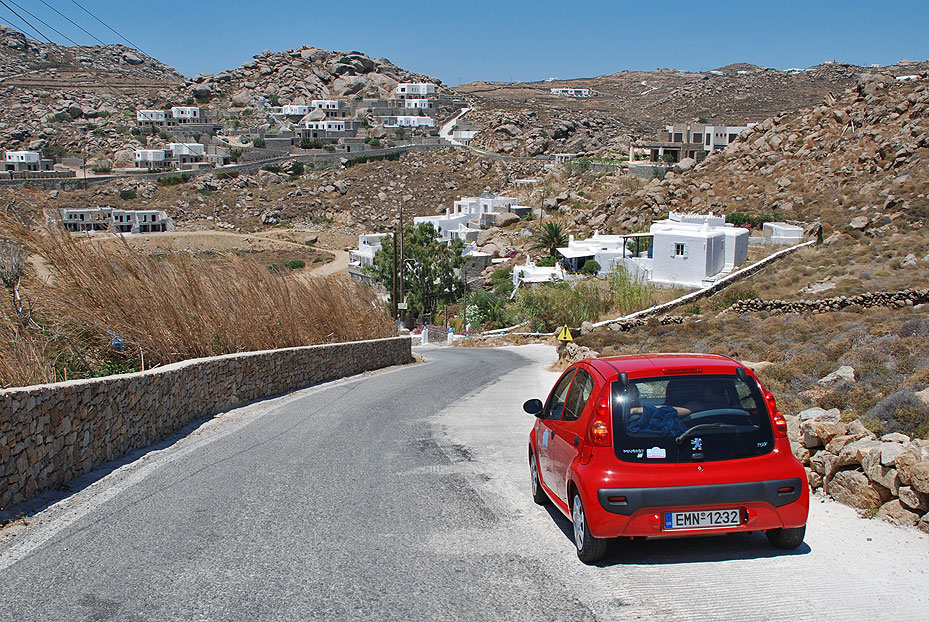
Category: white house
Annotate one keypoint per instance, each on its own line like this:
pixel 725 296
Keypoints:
pixel 464 220
pixel 529 273
pixel 408 121
pixel 717 137
pixel 295 110
pixel 368 245
pixel 111 219
pixel 150 158
pixel 186 114
pixel 689 250
pixel 417 103
pixel 464 132
pixel 571 92
pixel 26 161
pixel 781 233
pixel 417 90
pixel 186 149
pixel 150 117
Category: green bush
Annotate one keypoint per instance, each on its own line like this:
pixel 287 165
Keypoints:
pixel 296 169
pixel 591 267
pixel 271 168
pixel 173 180
pixel 502 281
pixel 547 262
pixel 294 264
pixel 227 174
pixel 61 117
pixel 259 143
pixel 374 142
pixel 127 194
pixel 310 143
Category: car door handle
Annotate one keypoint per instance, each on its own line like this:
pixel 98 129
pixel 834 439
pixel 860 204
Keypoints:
pixel 577 439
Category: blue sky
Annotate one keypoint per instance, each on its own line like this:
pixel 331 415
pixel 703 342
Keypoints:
pixel 505 39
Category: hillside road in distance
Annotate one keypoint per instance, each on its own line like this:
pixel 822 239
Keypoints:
pixel 404 495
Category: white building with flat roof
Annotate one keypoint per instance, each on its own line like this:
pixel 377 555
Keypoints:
pixel 295 110
pixel 151 117
pixel 417 103
pixel 687 250
pixel 111 219
pixel 186 114
pixel 150 158
pixel 781 233
pixel 416 90
pixel 568 92
pixel 18 161
pixel 368 245
pixel 530 273
pixel 408 121
pixel 469 214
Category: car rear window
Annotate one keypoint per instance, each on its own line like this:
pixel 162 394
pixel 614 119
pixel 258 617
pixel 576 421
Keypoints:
pixel 699 418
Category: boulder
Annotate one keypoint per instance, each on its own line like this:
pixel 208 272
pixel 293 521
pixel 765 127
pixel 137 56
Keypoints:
pixel 311 240
pixel 814 478
pixel 890 452
pixel 844 373
pixel 124 158
pixel 898 514
pixel 241 99
pixel 859 222
pixel 854 451
pixel 822 462
pixel 684 165
pixel 505 218
pixel 913 499
pixel 876 472
pixel 340 186
pixel 132 59
pixel 818 433
pixel 855 489
pixel 833 415
pixel 923 524
pixel 914 471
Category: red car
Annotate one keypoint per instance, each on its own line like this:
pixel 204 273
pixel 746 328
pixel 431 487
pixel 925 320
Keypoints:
pixel 659 445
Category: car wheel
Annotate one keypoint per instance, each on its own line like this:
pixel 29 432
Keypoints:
pixel 538 495
pixel 589 548
pixel 789 538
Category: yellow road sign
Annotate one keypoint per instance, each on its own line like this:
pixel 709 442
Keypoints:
pixel 565 334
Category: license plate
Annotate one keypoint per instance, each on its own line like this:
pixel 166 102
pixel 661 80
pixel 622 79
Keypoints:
pixel 702 519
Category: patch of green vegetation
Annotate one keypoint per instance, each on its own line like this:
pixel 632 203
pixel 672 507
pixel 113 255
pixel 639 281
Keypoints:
pixel 60 117
pixel 127 194
pixel 173 180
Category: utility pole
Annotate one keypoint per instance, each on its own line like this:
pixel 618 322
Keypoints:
pixel 394 275
pixel 402 293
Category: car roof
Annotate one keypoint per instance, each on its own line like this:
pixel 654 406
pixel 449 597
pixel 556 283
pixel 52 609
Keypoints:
pixel 660 364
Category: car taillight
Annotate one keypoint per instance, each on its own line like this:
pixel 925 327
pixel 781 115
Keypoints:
pixel 599 425
pixel 780 425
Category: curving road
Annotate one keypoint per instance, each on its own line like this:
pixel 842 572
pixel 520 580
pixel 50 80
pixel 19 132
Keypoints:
pixel 402 495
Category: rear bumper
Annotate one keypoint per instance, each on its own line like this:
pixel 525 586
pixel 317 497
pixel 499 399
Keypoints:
pixel 618 512
pixel 777 493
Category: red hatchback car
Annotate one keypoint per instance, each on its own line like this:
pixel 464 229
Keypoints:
pixel 660 445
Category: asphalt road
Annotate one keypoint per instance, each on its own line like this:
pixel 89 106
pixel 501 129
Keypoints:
pixel 331 503
pixel 403 495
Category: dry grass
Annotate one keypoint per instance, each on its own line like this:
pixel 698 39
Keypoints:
pixel 169 308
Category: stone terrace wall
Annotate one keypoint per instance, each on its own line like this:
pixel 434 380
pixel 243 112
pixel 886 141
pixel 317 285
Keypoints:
pixel 902 298
pixel 50 434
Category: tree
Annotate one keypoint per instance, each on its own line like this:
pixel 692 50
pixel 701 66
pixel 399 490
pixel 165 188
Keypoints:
pixel 428 269
pixel 551 238
pixel 591 267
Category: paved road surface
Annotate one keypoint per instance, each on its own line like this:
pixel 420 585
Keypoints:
pixel 403 495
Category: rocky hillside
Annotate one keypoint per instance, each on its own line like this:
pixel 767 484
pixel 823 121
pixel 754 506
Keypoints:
pixel 637 103
pixel 297 76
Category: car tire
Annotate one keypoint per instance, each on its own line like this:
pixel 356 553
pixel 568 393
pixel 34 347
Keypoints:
pixel 787 538
pixel 589 548
pixel 538 495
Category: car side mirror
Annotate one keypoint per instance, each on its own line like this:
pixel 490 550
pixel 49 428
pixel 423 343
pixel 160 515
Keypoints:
pixel 533 407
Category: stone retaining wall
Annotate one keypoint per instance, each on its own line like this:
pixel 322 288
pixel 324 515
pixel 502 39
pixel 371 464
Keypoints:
pixel 886 478
pixel 902 298
pixel 50 434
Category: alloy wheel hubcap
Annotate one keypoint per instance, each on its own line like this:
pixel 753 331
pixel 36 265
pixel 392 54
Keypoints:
pixel 578 523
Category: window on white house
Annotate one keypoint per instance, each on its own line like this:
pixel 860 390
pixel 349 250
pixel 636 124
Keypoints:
pixel 680 250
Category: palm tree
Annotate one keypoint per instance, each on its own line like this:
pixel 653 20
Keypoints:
pixel 551 238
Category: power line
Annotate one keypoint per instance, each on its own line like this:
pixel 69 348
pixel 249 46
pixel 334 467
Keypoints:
pixel 25 21
pixel 39 19
pixel 133 45
pixel 73 22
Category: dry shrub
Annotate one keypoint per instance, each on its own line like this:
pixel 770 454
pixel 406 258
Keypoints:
pixel 176 307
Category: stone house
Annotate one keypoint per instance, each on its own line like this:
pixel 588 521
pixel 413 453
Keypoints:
pixel 22 161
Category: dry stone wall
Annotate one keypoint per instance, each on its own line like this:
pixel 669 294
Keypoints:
pixel 903 298
pixel 886 477
pixel 50 434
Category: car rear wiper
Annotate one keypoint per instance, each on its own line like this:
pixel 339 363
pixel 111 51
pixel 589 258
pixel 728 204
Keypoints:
pixel 704 426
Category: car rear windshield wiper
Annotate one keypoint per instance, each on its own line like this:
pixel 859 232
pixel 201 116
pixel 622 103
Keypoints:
pixel 704 426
